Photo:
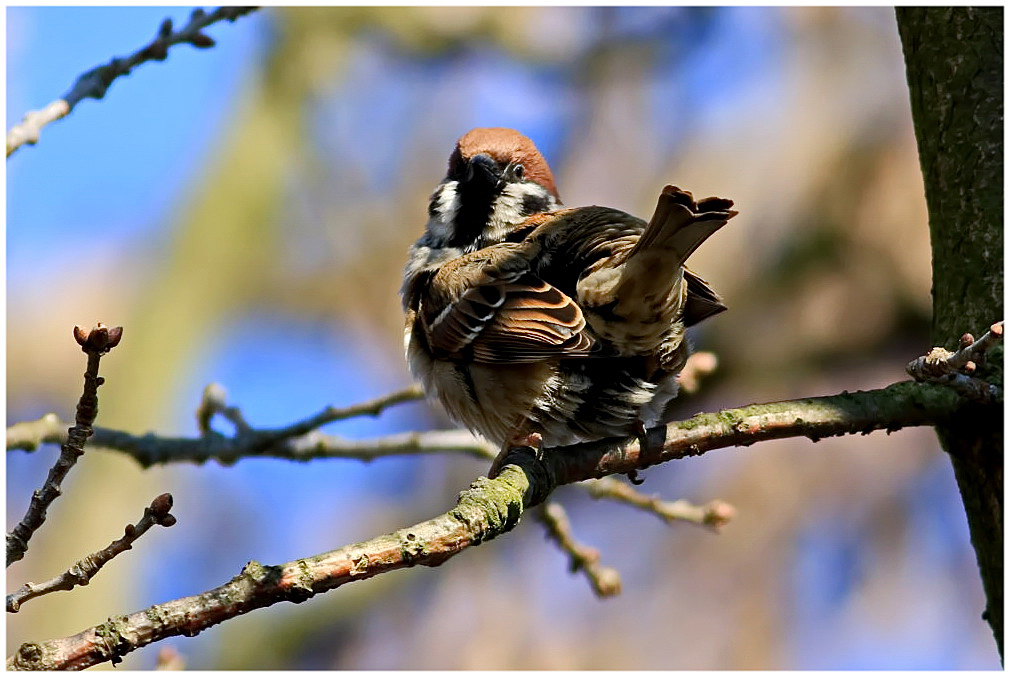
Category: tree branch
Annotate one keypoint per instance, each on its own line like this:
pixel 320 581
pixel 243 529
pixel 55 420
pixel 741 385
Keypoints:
pixel 714 514
pixel 95 83
pixel 298 441
pixel 490 508
pixel 84 570
pixel 606 581
pixel 150 449
pixel 95 343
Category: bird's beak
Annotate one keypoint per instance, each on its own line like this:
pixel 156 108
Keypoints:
pixel 482 168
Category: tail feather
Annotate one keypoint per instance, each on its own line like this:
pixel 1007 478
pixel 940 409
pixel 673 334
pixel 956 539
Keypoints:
pixel 653 268
pixel 637 302
pixel 680 225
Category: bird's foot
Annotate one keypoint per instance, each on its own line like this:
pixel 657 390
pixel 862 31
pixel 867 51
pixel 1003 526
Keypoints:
pixel 642 435
pixel 534 441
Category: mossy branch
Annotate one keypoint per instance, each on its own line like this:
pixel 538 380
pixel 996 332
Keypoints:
pixel 490 508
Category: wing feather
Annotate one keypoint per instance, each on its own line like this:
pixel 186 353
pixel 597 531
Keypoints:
pixel 507 315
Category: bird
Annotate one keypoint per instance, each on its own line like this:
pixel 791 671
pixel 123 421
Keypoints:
pixel 538 325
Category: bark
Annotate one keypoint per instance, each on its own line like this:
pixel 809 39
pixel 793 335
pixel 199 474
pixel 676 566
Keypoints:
pixel 954 61
pixel 490 508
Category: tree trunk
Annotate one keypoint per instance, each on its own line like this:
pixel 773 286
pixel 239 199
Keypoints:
pixel 954 60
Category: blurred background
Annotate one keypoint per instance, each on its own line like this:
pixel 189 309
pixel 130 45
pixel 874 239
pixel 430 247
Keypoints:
pixel 244 213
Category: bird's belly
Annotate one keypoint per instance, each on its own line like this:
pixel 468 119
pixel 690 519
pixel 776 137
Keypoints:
pixel 566 401
pixel 594 399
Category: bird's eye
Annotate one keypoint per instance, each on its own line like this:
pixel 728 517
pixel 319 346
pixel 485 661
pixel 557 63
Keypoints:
pixel 518 172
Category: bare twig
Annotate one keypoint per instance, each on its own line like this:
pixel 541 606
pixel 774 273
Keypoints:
pixel 848 412
pixel 955 369
pixel 83 571
pixel 95 343
pixel 214 402
pixel 95 83
pixel 606 581
pixel 714 514
pixel 298 441
pixel 331 414
pixel 490 508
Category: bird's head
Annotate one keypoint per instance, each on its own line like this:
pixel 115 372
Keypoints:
pixel 496 178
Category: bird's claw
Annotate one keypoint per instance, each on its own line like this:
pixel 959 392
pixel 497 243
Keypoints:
pixel 534 441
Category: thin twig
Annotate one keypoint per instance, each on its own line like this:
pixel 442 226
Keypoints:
pixel 606 581
pixel 149 450
pixel 95 343
pixel 847 412
pixel 298 441
pixel 213 402
pixel 95 83
pixel 490 508
pixel 714 514
pixel 331 414
pixel 81 573
pixel 955 369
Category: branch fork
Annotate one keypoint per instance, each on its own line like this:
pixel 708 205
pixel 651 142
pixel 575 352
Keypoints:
pixel 81 573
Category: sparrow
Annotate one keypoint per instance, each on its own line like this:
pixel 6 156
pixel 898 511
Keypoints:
pixel 543 326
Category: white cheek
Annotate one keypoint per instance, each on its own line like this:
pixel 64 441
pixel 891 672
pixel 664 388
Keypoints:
pixel 509 205
pixel 508 208
pixel 440 225
pixel 407 335
pixel 448 202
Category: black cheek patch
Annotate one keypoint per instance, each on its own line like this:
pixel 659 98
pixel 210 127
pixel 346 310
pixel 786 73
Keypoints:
pixel 534 204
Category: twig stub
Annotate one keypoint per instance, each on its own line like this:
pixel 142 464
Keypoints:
pixel 956 369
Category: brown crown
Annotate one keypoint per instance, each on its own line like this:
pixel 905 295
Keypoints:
pixel 505 145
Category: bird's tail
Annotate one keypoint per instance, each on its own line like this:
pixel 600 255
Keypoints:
pixel 638 301
pixel 653 270
pixel 679 225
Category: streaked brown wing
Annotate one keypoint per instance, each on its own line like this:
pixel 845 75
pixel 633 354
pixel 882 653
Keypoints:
pixel 508 316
